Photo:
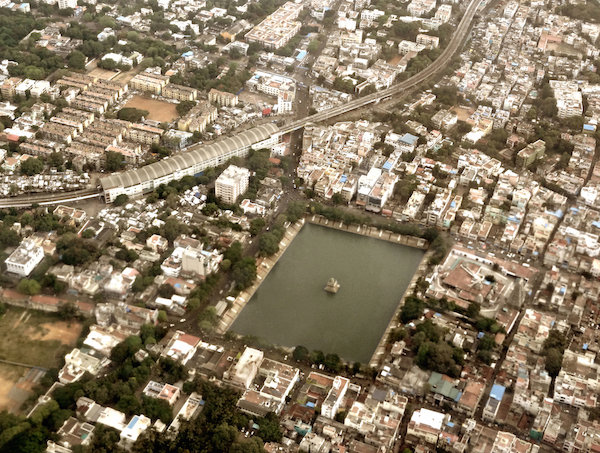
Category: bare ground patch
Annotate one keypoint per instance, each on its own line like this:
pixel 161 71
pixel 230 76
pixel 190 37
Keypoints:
pixel 159 110
pixel 35 338
pixel 66 333
pixel 103 74
pixel 462 113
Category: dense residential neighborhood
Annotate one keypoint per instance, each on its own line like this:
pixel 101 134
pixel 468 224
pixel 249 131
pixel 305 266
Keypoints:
pixel 161 160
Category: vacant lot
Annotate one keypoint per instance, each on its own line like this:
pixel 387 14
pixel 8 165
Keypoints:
pixel 159 110
pixel 32 338
pixel 462 113
pixel 394 61
pixel 103 73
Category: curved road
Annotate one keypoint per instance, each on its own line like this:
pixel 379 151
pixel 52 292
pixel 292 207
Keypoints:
pixel 440 63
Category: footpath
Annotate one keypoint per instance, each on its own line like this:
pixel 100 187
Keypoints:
pixel 394 322
pixel 370 231
pixel 264 266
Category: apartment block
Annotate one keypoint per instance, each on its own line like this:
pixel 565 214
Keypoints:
pixel 223 98
pixel 179 92
pixel 277 29
pixel 232 183
pixel 147 135
pixel 149 82
pixel 530 153
pixel 197 119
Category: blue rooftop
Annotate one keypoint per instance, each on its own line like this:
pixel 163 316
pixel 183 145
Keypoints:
pixel 301 55
pixel 387 165
pixel 497 392
pixel 409 139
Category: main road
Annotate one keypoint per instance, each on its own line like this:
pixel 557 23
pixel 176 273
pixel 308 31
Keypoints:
pixel 440 63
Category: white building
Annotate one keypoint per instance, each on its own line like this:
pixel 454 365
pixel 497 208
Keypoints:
pixel 181 347
pixel 64 4
pixel 77 363
pixel 200 262
pixel 334 399
pixel 133 430
pixel 245 370
pixel 285 101
pixel 232 183
pixel 24 260
pixel 426 425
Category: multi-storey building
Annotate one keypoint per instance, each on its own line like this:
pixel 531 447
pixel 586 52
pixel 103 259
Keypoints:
pixel 180 92
pixel 334 399
pixel 223 98
pixel 9 87
pixel 64 4
pixel 25 258
pixel 232 183
pixel 149 81
pixel 58 132
pixel 148 135
pixel 277 29
pixel 432 42
pixel 198 118
pixel 530 153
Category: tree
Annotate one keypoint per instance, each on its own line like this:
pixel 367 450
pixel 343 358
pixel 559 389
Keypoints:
pixel 313 46
pixel 333 363
pixel 269 430
pixel 132 114
pixel 244 272
pixel 486 343
pixel 256 225
pixel 28 287
pixel 68 311
pixel 295 211
pixel 193 303
pixel 473 310
pixel 184 107
pixel 106 22
pixel 165 290
pixel 300 353
pixel 412 309
pixel 121 200
pixel 556 340
pixel 128 404
pixel 337 198
pixel 268 244
pixel 88 233
pixel 31 166
pixel 554 360
pixel 114 161
pixel 173 228
pixel 77 60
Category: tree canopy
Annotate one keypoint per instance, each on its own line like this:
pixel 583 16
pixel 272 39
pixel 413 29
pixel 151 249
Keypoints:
pixel 132 114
